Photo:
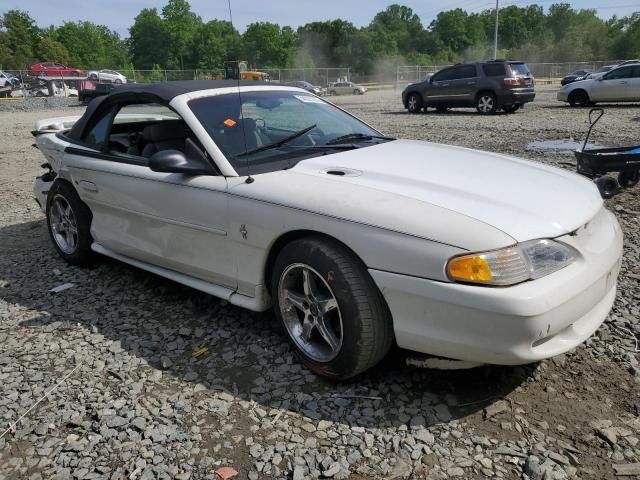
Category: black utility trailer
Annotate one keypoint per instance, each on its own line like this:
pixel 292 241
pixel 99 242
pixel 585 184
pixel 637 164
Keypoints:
pixel 598 162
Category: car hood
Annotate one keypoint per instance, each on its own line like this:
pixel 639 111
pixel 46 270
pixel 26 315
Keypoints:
pixel 525 200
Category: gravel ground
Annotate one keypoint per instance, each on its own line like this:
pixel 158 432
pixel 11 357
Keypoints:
pixel 105 375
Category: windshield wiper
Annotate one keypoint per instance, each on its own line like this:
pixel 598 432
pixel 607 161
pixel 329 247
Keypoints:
pixel 280 142
pixel 356 136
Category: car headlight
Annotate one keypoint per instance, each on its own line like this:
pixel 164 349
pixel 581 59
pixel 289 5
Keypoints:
pixel 508 266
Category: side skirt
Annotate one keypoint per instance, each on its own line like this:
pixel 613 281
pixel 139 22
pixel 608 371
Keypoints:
pixel 258 303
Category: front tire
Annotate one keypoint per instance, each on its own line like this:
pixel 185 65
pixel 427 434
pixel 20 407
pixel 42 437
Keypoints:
pixel 579 98
pixel 486 103
pixel 332 311
pixel 414 103
pixel 69 224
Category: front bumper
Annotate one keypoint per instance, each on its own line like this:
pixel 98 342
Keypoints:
pixel 563 95
pixel 514 325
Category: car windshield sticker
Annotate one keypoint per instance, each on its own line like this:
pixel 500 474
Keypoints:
pixel 308 99
pixel 229 122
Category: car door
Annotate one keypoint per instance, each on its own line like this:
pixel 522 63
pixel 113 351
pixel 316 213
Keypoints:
pixel 633 87
pixel 612 85
pixel 463 81
pixel 438 89
pixel 171 220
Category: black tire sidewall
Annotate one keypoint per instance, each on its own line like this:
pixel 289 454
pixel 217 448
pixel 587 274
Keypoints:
pixel 83 254
pixel 316 252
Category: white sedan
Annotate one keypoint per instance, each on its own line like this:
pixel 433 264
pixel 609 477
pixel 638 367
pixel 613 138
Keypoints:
pixel 104 75
pixel 620 84
pixel 268 196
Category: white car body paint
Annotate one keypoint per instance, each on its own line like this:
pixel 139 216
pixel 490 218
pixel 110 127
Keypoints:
pixel 404 207
pixel 603 89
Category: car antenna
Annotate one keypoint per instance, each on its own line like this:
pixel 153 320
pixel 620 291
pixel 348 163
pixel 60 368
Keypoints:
pixel 249 179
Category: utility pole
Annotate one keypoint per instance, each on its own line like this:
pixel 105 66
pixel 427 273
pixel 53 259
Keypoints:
pixel 495 36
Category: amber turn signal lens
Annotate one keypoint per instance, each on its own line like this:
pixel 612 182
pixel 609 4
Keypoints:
pixel 469 269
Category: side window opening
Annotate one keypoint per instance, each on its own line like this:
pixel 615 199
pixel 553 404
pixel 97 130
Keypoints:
pixel 143 129
pixel 494 69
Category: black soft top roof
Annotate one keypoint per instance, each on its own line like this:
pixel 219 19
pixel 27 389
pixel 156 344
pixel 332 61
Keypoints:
pixel 167 91
pixel 151 92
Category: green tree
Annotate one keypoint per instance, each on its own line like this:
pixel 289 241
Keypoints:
pixel 92 46
pixel 181 25
pixel 20 39
pixel 213 43
pixel 267 45
pixel 147 41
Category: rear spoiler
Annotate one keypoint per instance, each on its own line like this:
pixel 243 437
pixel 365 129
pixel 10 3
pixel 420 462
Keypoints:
pixel 54 125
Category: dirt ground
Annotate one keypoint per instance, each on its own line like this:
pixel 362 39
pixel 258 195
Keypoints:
pixel 137 404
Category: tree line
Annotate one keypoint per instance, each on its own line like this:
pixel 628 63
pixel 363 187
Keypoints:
pixel 176 38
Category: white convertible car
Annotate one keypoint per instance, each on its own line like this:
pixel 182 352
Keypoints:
pixel 267 195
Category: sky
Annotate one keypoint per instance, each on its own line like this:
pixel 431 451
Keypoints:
pixel 118 14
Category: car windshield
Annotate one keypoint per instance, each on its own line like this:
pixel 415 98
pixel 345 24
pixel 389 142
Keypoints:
pixel 273 130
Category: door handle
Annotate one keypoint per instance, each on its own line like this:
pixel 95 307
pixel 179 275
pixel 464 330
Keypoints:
pixel 88 186
pixel 471 83
pixel 623 83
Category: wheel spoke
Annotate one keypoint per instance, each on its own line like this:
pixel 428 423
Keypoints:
pixel 307 328
pixel 296 299
pixel 308 284
pixel 327 334
pixel 68 237
pixel 60 210
pixel 328 304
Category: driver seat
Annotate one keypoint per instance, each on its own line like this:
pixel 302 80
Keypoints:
pixel 165 135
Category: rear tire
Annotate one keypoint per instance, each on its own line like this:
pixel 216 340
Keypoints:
pixel 629 179
pixel 486 103
pixel 511 108
pixel 414 103
pixel 607 186
pixel 335 299
pixel 69 224
pixel 579 98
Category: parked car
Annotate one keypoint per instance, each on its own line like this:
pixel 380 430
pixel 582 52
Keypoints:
pixel 346 88
pixel 621 84
pixel 574 76
pixel 54 69
pixel 358 241
pixel 7 79
pixel 105 75
pixel 488 86
pixel 316 90
pixel 90 89
pixel 628 62
pixel 599 72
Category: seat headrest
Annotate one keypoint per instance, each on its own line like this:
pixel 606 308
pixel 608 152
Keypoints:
pixel 165 130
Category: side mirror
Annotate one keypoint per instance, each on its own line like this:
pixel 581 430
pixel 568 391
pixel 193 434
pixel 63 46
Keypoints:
pixel 193 162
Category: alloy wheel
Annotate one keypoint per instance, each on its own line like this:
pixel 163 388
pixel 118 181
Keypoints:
pixel 310 312
pixel 486 103
pixel 63 224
